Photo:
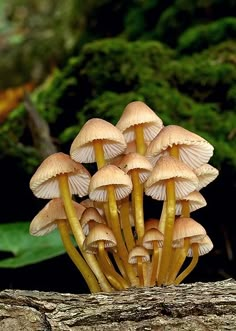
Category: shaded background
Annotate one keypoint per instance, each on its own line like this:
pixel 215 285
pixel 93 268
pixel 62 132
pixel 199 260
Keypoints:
pixel 80 60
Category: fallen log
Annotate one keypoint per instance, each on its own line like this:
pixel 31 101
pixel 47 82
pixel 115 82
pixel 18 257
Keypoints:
pixel 197 306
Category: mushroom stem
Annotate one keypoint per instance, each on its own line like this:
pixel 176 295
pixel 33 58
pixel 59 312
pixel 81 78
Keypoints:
pixel 185 212
pixel 99 153
pixel 115 279
pixel 122 250
pixel 191 266
pixel 78 232
pixel 155 257
pixel 168 231
pixel 179 257
pixel 139 137
pixel 125 221
pixel 138 204
pixel 77 258
pixel 140 271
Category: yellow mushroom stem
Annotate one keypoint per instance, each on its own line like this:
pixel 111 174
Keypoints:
pixel 76 258
pixel 154 266
pixel 99 153
pixel 140 271
pixel 191 266
pixel 78 233
pixel 116 280
pixel 139 138
pixel 137 195
pixel 178 259
pixel 126 225
pixel 185 212
pixel 116 228
pixel 168 231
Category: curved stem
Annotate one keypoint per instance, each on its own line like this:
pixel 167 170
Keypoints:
pixel 122 250
pixel 191 266
pixel 138 205
pixel 77 258
pixel 78 233
pixel 115 279
pixel 125 221
pixel 155 257
pixel 139 137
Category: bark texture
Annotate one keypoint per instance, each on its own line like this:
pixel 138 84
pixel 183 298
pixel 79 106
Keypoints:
pixel 197 306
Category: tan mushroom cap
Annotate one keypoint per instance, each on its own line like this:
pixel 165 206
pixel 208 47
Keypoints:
pixel 153 235
pixel 136 113
pixel 138 251
pixel 100 232
pixel 45 221
pixel 166 168
pixel 193 149
pixel 109 175
pixel 135 161
pixel 205 245
pixel 206 174
pixel 97 129
pixel 89 215
pixel 151 223
pixel 186 227
pixel 195 199
pixel 44 183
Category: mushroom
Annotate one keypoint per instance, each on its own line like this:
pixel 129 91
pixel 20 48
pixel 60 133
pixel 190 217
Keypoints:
pixel 169 180
pixel 110 183
pixel 97 141
pixel 98 240
pixel 53 216
pixel 191 202
pixel 206 174
pixel 153 240
pixel 138 168
pixel 139 255
pixel 89 218
pixel 198 247
pixel 139 122
pixel 60 176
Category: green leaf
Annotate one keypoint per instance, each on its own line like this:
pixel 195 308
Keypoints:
pixel 27 249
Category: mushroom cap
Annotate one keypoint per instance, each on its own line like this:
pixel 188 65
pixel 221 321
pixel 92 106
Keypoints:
pixel 109 175
pixel 90 214
pixel 152 235
pixel 97 129
pixel 100 232
pixel 45 221
pixel 138 251
pixel 195 199
pixel 136 113
pixel 205 245
pixel 166 168
pixel 135 161
pixel 186 227
pixel 206 173
pixel 151 223
pixel 193 149
pixel 44 183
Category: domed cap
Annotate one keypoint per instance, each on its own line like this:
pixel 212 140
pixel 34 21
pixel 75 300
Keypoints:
pixel 136 113
pixel 166 168
pixel 138 251
pixel 100 232
pixel 135 161
pixel 206 174
pixel 152 235
pixel 44 183
pixel 205 245
pixel 195 199
pixel 186 227
pixel 109 175
pixel 90 215
pixel 96 129
pixel 45 221
pixel 193 149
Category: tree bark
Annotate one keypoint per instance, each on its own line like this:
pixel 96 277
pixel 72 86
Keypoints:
pixel 197 306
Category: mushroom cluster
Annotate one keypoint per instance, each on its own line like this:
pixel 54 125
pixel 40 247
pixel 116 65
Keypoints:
pixel 116 246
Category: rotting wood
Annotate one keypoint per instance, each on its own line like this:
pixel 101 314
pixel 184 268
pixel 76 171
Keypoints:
pixel 196 306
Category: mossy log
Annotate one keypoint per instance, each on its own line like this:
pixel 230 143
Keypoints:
pixel 196 306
